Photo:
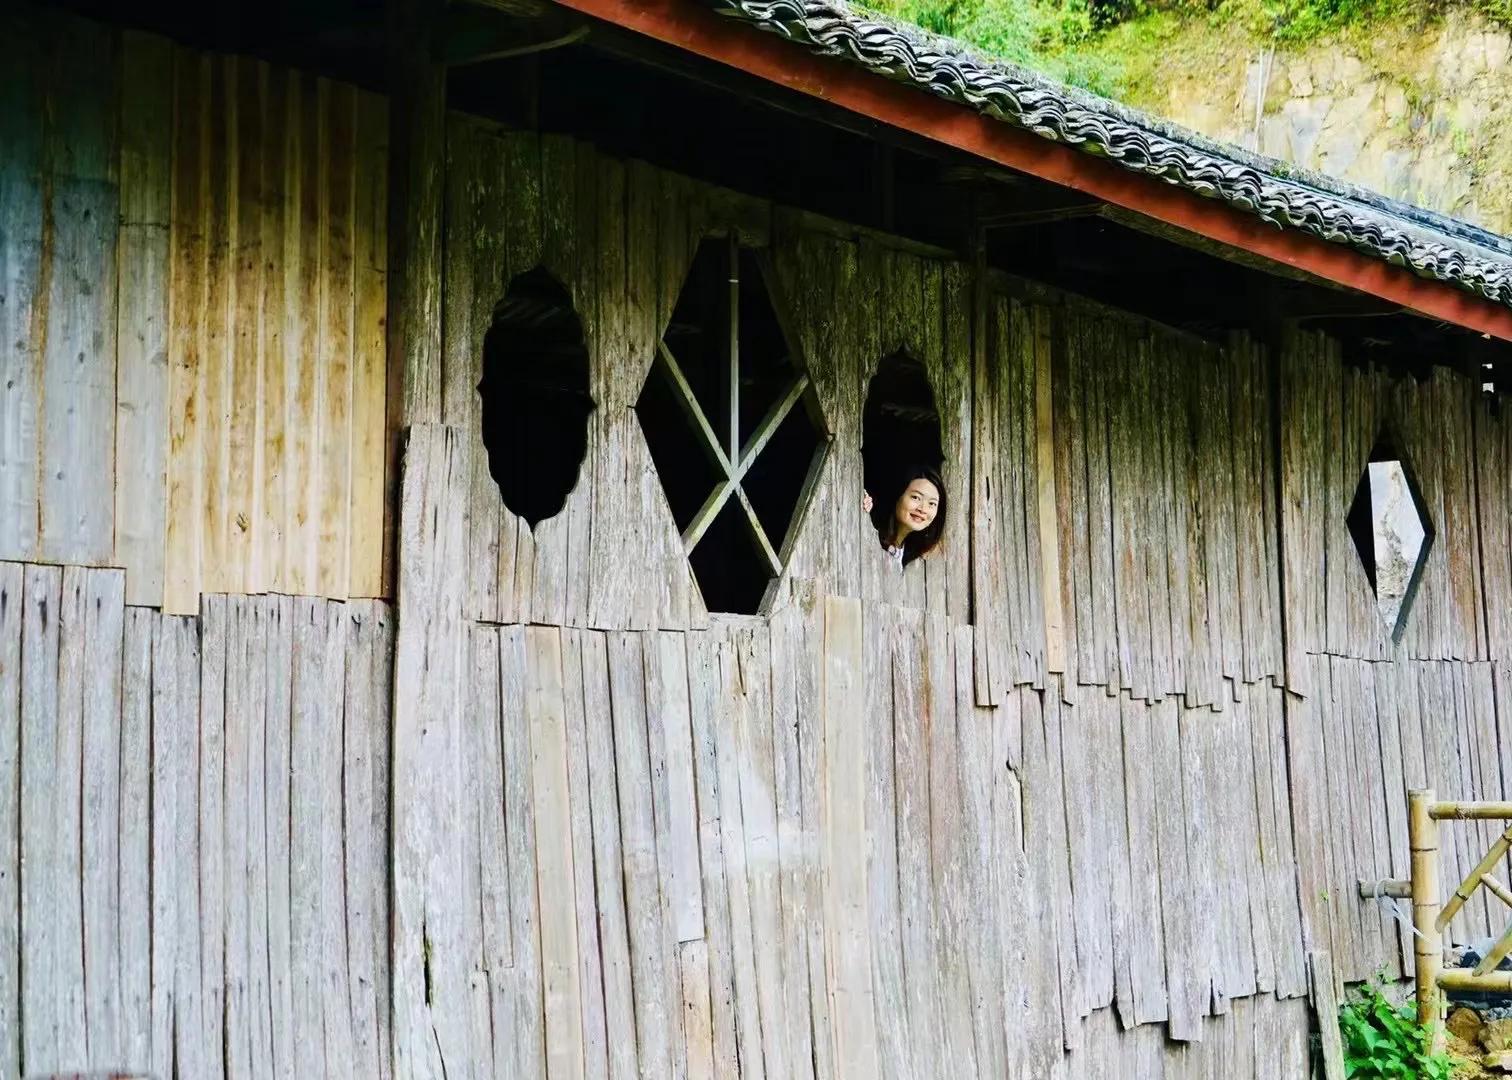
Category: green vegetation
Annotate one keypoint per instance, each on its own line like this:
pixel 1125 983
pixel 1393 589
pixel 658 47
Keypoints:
pixel 1108 46
pixel 1383 1040
pixel 1053 36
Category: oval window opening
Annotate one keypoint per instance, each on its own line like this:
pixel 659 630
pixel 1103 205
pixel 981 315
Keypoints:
pixel 535 396
pixel 900 426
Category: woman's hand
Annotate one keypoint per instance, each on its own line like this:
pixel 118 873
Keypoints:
pixel 866 502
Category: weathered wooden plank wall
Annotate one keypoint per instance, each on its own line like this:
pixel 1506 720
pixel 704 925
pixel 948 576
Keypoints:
pixel 1115 757
pixel 874 886
pixel 1331 415
pixel 855 299
pixel 196 817
pixel 194 256
pixel 1369 719
pixel 621 238
pixel 1162 481
pixel 276 377
pixel 59 204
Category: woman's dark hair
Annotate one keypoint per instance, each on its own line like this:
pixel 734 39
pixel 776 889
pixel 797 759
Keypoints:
pixel 917 543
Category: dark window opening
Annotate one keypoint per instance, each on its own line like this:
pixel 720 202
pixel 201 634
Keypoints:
pixel 1392 533
pixel 728 564
pixel 535 396
pixel 733 426
pixel 900 425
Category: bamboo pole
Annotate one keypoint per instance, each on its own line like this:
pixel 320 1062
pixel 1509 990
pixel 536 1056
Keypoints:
pixel 1394 888
pixel 1496 982
pixel 1477 876
pixel 1428 950
pixel 1471 811
pixel 1497 889
pixel 1498 952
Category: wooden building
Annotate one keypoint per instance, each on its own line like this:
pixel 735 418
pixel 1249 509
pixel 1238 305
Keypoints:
pixel 439 631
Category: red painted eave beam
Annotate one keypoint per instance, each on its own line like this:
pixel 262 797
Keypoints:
pixel 686 25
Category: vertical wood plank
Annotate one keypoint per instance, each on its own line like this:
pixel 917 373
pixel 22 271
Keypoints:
pixel 608 595
pixel 1147 942
pixel 789 666
pixel 253 682
pixel 554 863
pixel 619 1009
pixel 667 694
pixel 280 338
pixel 135 828
pixel 11 619
pixel 363 812
pixel 705 695
pixel 911 721
pixel 653 1013
pixel 429 987
pixel 278 665
pixel 22 91
pixel 305 257
pixel 211 838
pixel 214 331
pixel 185 758
pixel 580 795
pixel 334 945
pixel 843 769
pixel 751 737
pixel 1185 990
pixel 164 915
pixel 77 345
pixel 307 754
pixel 235 852
pixel 881 845
pixel 337 314
pixel 102 630
pixel 241 511
pixel 181 562
pixel 523 1042
pixel 374 486
pixel 477 227
pixel 486 850
pixel 1049 518
pixel 64 789
pixel 141 421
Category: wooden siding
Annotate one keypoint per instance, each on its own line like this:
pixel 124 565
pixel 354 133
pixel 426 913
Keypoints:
pixel 1075 796
pixel 196 832
pixel 621 237
pixel 618 239
pixel 1331 415
pixel 59 203
pixel 194 282
pixel 698 855
pixel 276 377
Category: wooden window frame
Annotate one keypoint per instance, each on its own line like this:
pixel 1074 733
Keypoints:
pixel 729 457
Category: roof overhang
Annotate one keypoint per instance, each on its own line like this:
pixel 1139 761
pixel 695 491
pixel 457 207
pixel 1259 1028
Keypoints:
pixel 686 25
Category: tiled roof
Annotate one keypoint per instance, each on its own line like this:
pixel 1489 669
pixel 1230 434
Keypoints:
pixel 1431 245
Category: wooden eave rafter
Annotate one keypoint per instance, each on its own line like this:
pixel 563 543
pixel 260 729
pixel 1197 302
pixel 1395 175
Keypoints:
pixel 684 25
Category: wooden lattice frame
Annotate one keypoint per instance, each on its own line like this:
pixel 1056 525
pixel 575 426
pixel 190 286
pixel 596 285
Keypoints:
pixel 731 458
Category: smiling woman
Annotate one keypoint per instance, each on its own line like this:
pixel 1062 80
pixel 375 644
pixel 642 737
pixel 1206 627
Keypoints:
pixel 911 523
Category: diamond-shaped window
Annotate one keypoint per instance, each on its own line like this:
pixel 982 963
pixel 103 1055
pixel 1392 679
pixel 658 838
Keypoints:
pixel 733 425
pixel 1392 533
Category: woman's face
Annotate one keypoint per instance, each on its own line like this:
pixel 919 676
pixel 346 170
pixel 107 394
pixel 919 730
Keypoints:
pixel 917 506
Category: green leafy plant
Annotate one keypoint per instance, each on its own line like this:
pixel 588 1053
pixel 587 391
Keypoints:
pixel 1384 1041
pixel 1106 45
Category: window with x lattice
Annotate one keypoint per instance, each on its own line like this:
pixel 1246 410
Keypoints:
pixel 734 426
